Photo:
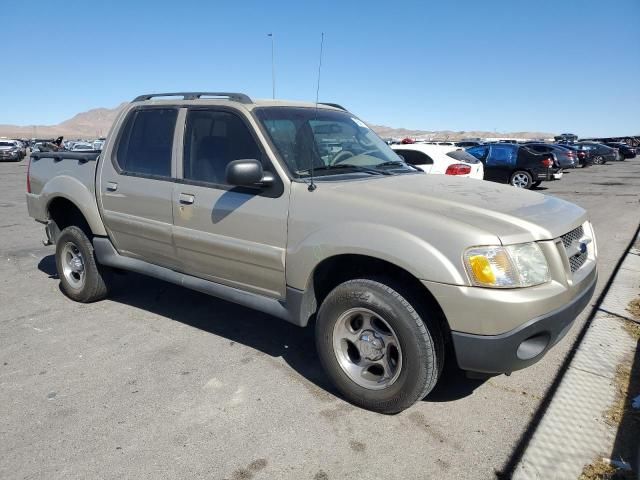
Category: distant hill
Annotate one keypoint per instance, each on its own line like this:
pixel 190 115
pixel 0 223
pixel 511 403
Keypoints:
pixel 91 124
pixel 96 122
pixel 399 133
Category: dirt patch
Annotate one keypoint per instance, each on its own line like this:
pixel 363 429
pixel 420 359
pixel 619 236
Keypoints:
pixel 623 403
pixel 601 470
pixel 634 308
pixel 357 446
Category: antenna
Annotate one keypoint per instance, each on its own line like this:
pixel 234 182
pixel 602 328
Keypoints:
pixel 312 185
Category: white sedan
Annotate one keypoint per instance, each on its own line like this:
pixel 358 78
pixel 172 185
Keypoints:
pixel 441 159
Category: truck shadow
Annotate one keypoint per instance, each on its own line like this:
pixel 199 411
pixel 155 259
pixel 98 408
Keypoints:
pixel 259 331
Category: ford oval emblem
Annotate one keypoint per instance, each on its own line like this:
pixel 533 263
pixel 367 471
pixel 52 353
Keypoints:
pixel 583 247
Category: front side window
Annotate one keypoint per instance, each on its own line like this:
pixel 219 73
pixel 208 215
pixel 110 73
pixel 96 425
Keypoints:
pixel 329 141
pixel 146 142
pixel 212 140
pixel 480 152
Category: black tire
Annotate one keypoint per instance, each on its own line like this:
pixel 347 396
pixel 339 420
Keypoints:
pixel 418 336
pixel 92 284
pixel 598 160
pixel 521 179
pixel 536 184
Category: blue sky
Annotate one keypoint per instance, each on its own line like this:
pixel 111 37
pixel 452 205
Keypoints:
pixel 557 66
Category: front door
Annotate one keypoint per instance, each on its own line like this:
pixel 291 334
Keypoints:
pixel 231 235
pixel 136 186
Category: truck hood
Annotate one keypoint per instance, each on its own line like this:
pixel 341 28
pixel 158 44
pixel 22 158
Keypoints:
pixel 512 214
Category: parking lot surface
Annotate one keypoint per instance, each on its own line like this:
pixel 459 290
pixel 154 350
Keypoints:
pixel 162 382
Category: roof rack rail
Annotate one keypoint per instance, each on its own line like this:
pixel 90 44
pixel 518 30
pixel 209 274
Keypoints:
pixel 335 105
pixel 237 97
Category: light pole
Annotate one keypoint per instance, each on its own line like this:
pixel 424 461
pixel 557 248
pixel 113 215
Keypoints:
pixel 273 68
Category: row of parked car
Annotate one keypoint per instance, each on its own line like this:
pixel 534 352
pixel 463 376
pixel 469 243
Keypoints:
pixel 523 165
pixel 14 149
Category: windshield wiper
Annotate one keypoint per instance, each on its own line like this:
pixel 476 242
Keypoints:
pixel 358 168
pixel 398 163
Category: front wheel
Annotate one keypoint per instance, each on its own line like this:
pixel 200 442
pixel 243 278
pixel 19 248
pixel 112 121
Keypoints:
pixel 81 278
pixel 598 160
pixel 521 179
pixel 377 349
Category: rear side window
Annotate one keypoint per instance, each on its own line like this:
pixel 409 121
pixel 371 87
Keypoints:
pixel 147 141
pixel 502 156
pixel 462 156
pixel 414 157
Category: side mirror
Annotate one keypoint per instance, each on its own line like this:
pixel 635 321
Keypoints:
pixel 247 173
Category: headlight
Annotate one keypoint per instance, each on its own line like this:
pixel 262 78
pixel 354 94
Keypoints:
pixel 522 265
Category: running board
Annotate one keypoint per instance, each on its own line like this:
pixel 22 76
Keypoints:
pixel 107 255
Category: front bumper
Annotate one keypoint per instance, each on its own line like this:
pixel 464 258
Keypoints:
pixel 522 346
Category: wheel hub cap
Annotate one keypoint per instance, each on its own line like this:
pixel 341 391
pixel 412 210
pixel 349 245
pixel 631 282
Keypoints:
pixel 367 348
pixel 76 264
pixel 370 345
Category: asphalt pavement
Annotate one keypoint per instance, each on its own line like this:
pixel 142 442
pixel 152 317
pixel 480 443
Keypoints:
pixel 162 382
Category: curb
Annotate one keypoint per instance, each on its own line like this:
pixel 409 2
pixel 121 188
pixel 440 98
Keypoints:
pixel 573 431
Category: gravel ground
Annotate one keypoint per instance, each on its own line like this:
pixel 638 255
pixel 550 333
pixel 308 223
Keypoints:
pixel 162 382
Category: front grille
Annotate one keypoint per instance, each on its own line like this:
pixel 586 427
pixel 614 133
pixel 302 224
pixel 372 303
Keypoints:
pixel 573 235
pixel 577 261
pixel 569 240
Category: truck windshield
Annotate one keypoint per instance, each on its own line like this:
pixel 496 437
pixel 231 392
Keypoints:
pixel 334 142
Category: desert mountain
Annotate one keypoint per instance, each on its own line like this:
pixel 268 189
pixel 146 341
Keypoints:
pixel 96 123
pixel 91 124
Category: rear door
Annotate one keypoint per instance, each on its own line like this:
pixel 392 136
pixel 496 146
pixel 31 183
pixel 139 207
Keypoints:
pixel 135 185
pixel 230 235
pixel 501 162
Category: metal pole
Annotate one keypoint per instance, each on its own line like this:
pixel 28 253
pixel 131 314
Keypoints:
pixel 273 68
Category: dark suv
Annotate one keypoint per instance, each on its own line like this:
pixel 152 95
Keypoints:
pixel 517 165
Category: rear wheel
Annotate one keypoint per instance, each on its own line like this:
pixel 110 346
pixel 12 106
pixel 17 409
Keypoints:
pixel 521 179
pixel 598 160
pixel 377 349
pixel 81 278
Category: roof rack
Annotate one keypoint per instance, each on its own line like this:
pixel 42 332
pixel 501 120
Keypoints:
pixel 334 105
pixel 236 97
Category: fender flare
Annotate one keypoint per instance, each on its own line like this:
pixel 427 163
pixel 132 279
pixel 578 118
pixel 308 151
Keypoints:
pixel 71 189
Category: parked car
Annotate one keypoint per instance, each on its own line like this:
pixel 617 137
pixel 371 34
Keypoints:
pixel 468 143
pixel 516 165
pixel 9 150
pixel 601 153
pixel 394 265
pixel 82 147
pixel 440 159
pixel 625 150
pixel 22 147
pixel 565 157
pixel 583 153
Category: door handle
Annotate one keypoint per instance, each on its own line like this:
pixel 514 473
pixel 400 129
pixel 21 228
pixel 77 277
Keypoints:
pixel 112 186
pixel 186 199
